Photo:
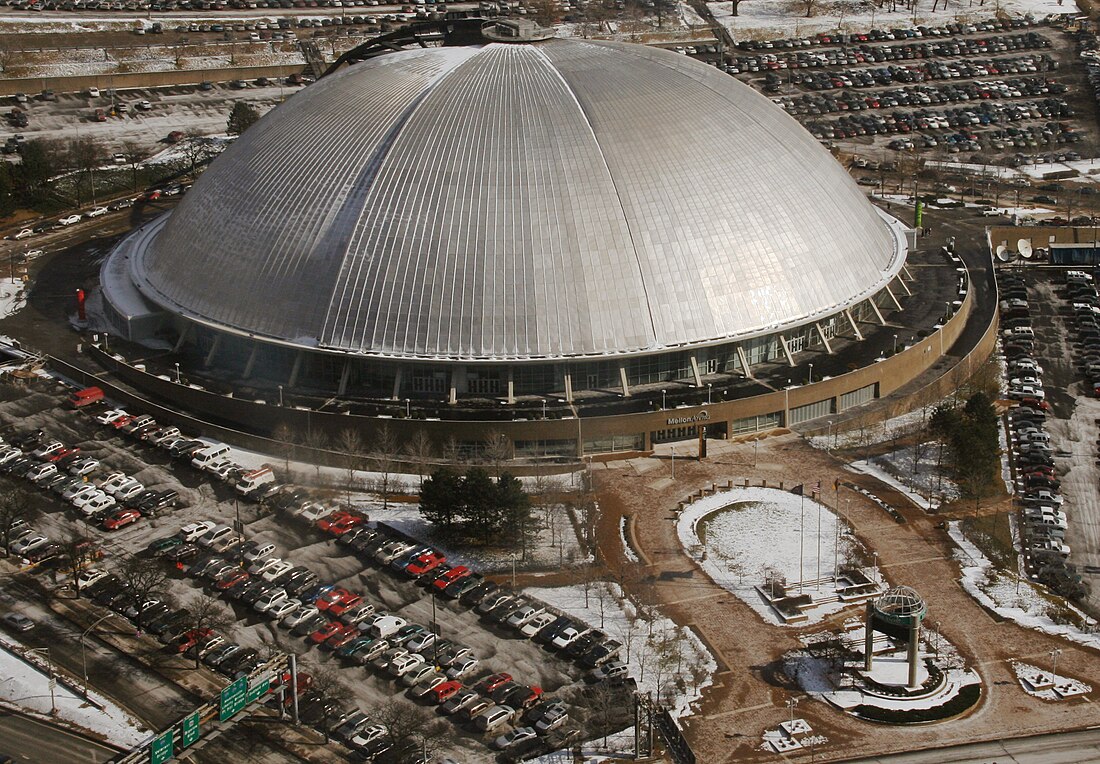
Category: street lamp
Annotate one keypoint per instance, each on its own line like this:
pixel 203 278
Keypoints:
pixel 177 373
pixel 280 395
pixel 709 386
pixel 811 375
pixel 513 556
pixel 791 703
pixel 663 399
pixel 53 682
pixel 83 652
pixel 1054 664
pixel 673 462
pixel 895 345
pixel 406 408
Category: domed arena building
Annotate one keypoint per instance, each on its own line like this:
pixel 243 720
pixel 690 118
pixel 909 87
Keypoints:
pixel 485 231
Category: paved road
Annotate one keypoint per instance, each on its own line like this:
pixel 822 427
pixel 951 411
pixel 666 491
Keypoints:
pixel 33 742
pixel 1068 748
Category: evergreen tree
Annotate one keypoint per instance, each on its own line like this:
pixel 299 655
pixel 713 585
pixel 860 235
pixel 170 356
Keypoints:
pixel 479 504
pixel 243 116
pixel 441 499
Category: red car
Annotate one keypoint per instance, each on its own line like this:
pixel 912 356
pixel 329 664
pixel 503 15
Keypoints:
pixel 326 631
pixel 231 579
pixel 121 519
pixel 491 682
pixel 442 692
pixel 62 453
pixel 342 637
pixel 342 606
pixel 330 598
pixel 340 522
pixel 425 563
pixel 192 638
pixel 452 575
pixel 123 420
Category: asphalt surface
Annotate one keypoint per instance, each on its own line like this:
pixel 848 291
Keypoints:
pixel 1065 748
pixel 30 741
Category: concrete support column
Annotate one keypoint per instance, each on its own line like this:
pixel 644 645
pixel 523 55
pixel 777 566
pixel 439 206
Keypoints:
pixel 786 349
pixel 568 387
pixel 904 286
pixel 908 275
pixel 183 337
pixel 213 350
pixel 295 370
pixel 824 339
pixel 251 362
pixel 868 639
pixel 695 370
pixel 344 375
pixel 622 379
pixel 744 362
pixel 852 323
pixel 893 299
pixel 396 385
pixel 878 313
pixel 913 654
pixel 511 386
pixel 458 383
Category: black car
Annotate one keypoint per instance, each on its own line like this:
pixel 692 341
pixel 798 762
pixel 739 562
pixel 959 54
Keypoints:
pixel 108 581
pixel 166 499
pixel 134 502
pixel 185 553
pixel 456 589
pixel 233 663
pixel 261 588
pixel 121 204
pixel 475 595
pixel 550 630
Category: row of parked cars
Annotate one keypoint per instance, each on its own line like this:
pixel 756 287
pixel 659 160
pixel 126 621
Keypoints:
pixel 920 95
pixel 1042 519
pixel 883 34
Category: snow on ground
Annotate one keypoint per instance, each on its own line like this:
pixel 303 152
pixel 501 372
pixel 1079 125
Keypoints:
pixel 864 434
pixel 745 537
pixel 913 474
pixel 668 660
pixel 28 689
pixel 179 153
pixel 763 19
pixel 12 298
pixel 628 551
pixel 1018 599
pixel 1040 683
pixel 689 17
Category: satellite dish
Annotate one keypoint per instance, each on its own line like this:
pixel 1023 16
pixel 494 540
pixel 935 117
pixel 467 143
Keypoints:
pixel 1024 246
pixel 1003 254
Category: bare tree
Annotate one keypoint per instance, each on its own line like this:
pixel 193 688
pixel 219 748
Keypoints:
pixel 14 509
pixel 497 450
pixel 134 155
pixel 143 581
pixel 411 731
pixel 284 436
pixel 87 155
pixel 350 445
pixel 421 452
pixel 316 440
pixel 205 611
pixel 76 553
pixel 383 455
pixel 326 682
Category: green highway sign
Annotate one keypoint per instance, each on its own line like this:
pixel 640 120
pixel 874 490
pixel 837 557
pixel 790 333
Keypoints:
pixel 190 729
pixel 163 748
pixel 232 698
pixel 258 690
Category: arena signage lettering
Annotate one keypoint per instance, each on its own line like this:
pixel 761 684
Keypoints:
pixel 701 416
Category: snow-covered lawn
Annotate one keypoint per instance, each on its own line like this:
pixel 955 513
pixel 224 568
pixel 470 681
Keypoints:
pixel 1018 599
pixel 868 434
pixel 747 536
pixel 1040 683
pixel 917 479
pixel 12 298
pixel 668 660
pixel 28 689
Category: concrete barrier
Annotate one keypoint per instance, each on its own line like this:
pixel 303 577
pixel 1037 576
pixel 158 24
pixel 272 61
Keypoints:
pixel 130 80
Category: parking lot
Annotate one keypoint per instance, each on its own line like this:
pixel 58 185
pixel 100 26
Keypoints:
pixel 993 92
pixel 287 521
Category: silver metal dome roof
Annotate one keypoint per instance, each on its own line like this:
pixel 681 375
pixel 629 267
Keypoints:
pixel 566 198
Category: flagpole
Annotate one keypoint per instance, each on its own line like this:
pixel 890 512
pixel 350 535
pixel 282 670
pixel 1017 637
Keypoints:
pixel 801 540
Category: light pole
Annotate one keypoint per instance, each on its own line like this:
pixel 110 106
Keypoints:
pixel 791 703
pixel 709 386
pixel 1054 664
pixel 53 682
pixel 177 373
pixel 83 652
pixel 895 345
pixel 513 556
pixel 406 408
pixel 663 399
pixel 280 396
pixel 673 462
pixel 810 379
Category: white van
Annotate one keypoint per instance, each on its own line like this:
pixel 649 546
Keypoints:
pixel 386 625
pixel 253 479
pixel 206 456
pixel 492 717
pixel 214 535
